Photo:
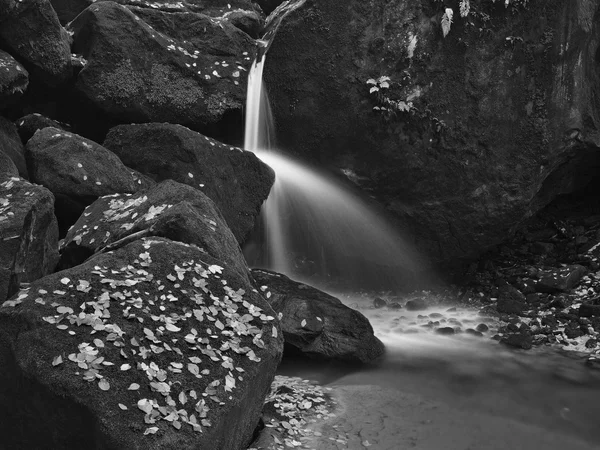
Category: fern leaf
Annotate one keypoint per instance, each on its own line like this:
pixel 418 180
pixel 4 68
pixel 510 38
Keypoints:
pixel 447 21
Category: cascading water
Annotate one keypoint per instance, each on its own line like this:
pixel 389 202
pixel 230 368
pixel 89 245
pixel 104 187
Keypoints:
pixel 314 226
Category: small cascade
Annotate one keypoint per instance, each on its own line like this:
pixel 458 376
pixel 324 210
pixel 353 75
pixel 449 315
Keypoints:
pixel 314 227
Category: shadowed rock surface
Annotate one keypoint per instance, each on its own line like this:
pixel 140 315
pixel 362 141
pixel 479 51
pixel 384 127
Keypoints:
pixel 318 324
pixel 14 80
pixel 168 349
pixel 11 145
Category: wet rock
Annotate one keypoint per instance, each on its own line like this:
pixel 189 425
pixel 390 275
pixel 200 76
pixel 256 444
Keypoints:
pixel 589 310
pixel 31 32
pixel 236 180
pixel 29 124
pixel 169 209
pixel 473 332
pixel 510 300
pixel 436 315
pixel 591 343
pixel 573 330
pixel 560 280
pixel 378 302
pixel 14 80
pixel 29 244
pixel 317 324
pixel 143 308
pixel 395 305
pixel 518 340
pixel 482 327
pixel 445 331
pixel 149 65
pixel 11 145
pixel 416 305
pixel 550 321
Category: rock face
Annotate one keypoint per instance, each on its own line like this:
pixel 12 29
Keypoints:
pixel 29 244
pixel 146 65
pixel 497 128
pixel 77 171
pixel 11 145
pixel 154 346
pixel 169 209
pixel 317 324
pixel 31 31
pixel 236 180
pixel 13 80
pixel 29 124
pixel 7 167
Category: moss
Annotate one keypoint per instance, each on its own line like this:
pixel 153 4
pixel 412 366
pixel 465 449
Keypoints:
pixel 121 84
pixel 169 88
pixel 219 103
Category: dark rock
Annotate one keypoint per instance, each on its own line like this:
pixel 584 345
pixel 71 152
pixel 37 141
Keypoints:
pixel 445 331
pixel 533 298
pixel 476 201
pixel 378 302
pixel 146 305
pixel 67 10
pixel 236 180
pixel 169 209
pixel 29 124
pixel 148 65
pixel 589 310
pixel 11 145
pixel 453 309
pixel 591 343
pixel 512 328
pixel 510 300
pixel 473 332
pixel 7 167
pixel 560 280
pixel 542 248
pixel 436 315
pixel 573 330
pixel 550 321
pixel 417 304
pixel 557 302
pixel 482 327
pixel 29 244
pixel 317 324
pixel 395 305
pixel 31 32
pixel 14 80
pixel 518 340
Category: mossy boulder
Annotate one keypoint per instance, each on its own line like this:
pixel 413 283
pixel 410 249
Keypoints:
pixel 154 346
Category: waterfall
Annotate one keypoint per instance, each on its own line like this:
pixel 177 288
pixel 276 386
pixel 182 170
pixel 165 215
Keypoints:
pixel 314 227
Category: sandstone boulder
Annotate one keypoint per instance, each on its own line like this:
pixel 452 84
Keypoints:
pixel 154 346
pixel 236 180
pixel 317 324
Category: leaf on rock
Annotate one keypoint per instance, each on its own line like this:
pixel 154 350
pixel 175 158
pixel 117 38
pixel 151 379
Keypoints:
pixel 57 360
pixel 104 384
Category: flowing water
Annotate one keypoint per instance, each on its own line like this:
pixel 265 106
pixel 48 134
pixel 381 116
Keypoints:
pixel 317 228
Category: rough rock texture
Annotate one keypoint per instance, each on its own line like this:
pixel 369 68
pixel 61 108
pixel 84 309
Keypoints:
pixel 502 120
pixel 169 209
pixel 510 300
pixel 29 124
pixel 317 324
pixel 30 30
pixel 147 64
pixel 195 339
pixel 7 167
pixel 236 180
pixel 29 243
pixel 11 145
pixel 13 80
pixel 560 280
pixel 77 171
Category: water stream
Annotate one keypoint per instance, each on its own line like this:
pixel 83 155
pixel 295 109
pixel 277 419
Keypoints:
pixel 316 228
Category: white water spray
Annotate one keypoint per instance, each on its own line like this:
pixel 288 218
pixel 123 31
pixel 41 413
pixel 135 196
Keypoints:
pixel 315 226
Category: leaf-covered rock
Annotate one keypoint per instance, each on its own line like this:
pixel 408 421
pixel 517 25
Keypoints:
pixel 153 346
pixel 318 324
pixel 11 145
pixel 169 209
pixel 29 234
pixel 146 64
pixel 236 180
pixel 29 124
pixel 30 30
pixel 14 80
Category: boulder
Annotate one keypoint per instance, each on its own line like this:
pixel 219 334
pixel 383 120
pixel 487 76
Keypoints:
pixel 77 171
pixel 458 172
pixel 169 209
pixel 67 10
pixel 154 346
pixel 14 80
pixel 30 30
pixel 518 340
pixel 236 180
pixel 510 300
pixel 146 65
pixel 11 145
pixel 417 304
pixel 589 310
pixel 560 280
pixel 29 243
pixel 7 167
pixel 29 124
pixel 315 323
